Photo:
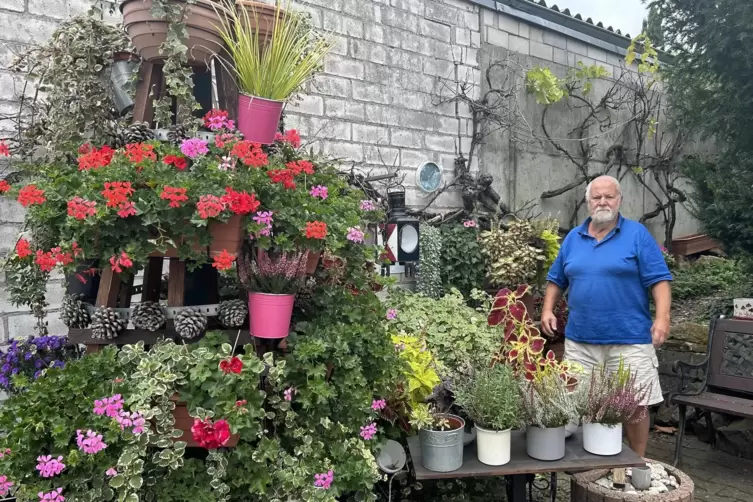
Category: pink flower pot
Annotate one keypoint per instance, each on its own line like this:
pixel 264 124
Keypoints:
pixel 258 118
pixel 270 314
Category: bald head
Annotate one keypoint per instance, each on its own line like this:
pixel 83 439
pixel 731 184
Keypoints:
pixel 604 197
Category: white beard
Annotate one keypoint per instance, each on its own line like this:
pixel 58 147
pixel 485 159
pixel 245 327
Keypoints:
pixel 601 216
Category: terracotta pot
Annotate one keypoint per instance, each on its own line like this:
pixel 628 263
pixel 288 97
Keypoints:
pixel 312 261
pixel 184 422
pixel 147 33
pixel 261 17
pixel 226 236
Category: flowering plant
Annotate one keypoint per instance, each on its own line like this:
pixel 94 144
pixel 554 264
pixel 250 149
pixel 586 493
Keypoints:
pixel 126 204
pixel 547 403
pixel 281 274
pixel 612 398
pixel 26 360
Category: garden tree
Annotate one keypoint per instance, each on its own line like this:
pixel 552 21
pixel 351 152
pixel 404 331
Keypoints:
pixel 630 114
pixel 709 88
pixel 652 27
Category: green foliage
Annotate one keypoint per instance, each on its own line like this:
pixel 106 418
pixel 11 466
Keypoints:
pixel 462 261
pixel 706 277
pixel 490 397
pixel 546 402
pixel 44 419
pixel 26 285
pixel 71 68
pixel 515 255
pixel 544 85
pixel 458 336
pixel 709 89
pixel 641 48
pixel 277 69
pixel 429 272
pixel 420 373
pixel 186 483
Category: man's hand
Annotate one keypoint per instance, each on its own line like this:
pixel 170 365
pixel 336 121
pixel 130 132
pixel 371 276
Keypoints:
pixel 659 331
pixel 549 323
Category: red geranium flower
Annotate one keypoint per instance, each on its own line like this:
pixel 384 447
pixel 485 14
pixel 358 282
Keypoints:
pixel 4 150
pixel 138 152
pixel 174 194
pixel 117 192
pixel 81 208
pixel 30 195
pixel 223 261
pixel 240 202
pixel 300 166
pixel 23 248
pixel 232 365
pixel 45 260
pixel 210 206
pixel 126 209
pixel 4 186
pixel 291 136
pixel 180 163
pixel 122 261
pixel 93 158
pixel 316 230
pixel 250 154
pixel 284 176
pixel 210 435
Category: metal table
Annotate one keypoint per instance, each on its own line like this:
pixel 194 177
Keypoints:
pixel 521 465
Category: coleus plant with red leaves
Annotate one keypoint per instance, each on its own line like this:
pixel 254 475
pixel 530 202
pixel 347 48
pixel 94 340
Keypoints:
pixel 523 346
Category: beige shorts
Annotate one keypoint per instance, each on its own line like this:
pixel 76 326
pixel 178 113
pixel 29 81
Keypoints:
pixel 641 359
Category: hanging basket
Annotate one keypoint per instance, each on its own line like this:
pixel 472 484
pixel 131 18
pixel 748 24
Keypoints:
pixel 147 33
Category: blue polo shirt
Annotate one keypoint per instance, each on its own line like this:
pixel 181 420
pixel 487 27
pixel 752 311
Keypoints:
pixel 609 283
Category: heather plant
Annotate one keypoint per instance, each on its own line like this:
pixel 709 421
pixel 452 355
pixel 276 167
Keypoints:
pixel 278 275
pixel 547 403
pixel 490 397
pixel 611 398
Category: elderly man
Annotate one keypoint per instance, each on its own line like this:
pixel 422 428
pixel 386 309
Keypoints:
pixel 608 265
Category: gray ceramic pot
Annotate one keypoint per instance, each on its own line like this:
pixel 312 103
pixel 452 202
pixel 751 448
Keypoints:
pixel 545 444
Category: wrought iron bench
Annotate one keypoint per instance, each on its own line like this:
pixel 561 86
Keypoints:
pixel 727 386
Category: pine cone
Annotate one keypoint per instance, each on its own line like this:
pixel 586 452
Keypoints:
pixel 139 132
pixel 190 323
pixel 177 134
pixel 233 313
pixel 116 136
pixel 148 316
pixel 106 323
pixel 73 312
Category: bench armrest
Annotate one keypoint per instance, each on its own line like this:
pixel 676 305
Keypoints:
pixel 682 366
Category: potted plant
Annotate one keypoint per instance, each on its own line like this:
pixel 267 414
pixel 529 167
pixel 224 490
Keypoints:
pixel 269 72
pixel 608 401
pixel 547 408
pixel 491 400
pixel 272 280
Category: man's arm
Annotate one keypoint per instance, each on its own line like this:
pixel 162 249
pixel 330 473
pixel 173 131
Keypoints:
pixel 662 293
pixel 548 319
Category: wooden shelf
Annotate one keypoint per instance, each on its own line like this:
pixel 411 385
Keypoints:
pixel 131 336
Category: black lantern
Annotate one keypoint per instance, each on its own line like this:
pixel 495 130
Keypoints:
pixel 401 231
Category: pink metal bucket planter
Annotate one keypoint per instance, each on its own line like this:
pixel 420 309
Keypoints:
pixel 270 314
pixel 258 118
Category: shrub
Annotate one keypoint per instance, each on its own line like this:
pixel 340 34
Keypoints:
pixel 462 263
pixel 706 277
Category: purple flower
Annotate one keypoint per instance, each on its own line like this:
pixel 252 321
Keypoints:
pixel 369 431
pixel 378 404
pixel 5 485
pixel 355 234
pixel 193 147
pixel 324 480
pixel 469 224
pixel 53 496
pixel 28 355
pixel 319 191
pixel 367 205
pixel 58 364
pixel 391 314
pixel 264 218
pixel 38 374
pixel 111 472
pixel 110 406
pixel 4 381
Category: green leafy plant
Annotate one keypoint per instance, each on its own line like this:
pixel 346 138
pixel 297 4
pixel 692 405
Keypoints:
pixel 462 262
pixel 516 255
pixel 491 398
pixel 69 71
pixel 458 336
pixel 278 68
pixel 26 285
pixel 429 276
pixel 707 276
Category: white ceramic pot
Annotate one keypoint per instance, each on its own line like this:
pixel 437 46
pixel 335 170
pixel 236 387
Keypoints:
pixel 600 439
pixel 493 447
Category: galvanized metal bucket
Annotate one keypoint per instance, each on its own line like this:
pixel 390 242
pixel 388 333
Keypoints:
pixel 442 451
pixel 545 444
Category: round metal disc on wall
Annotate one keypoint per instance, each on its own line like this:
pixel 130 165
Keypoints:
pixel 429 177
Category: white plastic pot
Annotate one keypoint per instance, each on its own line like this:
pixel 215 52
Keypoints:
pixel 493 447
pixel 601 439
